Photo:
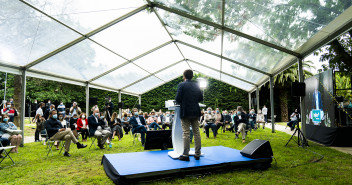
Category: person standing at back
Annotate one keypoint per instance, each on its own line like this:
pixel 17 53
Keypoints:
pixel 188 97
pixel 265 113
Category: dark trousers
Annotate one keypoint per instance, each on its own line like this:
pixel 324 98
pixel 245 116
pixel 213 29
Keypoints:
pixel 84 133
pixel 213 128
pixel 266 118
pixel 141 129
pixel 218 125
pixel 166 125
pixel 36 135
pixel 292 124
pixel 126 128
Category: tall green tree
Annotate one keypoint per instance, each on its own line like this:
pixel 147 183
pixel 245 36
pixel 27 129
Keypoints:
pixel 282 80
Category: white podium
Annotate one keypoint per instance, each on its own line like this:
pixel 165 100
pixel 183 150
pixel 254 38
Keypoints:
pixel 177 132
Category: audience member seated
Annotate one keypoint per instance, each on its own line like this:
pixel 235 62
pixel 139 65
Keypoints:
pixel 39 121
pixel 209 119
pixel 82 126
pixel 138 125
pixel 115 125
pixel 252 117
pixel 152 121
pixel 241 123
pixel 294 119
pixel 160 118
pixel 4 142
pixel 73 125
pixel 227 120
pixel 56 132
pixel 260 119
pixel 219 119
pixel 96 129
pixel 126 123
pixel 167 120
pixel 7 131
pixel 105 127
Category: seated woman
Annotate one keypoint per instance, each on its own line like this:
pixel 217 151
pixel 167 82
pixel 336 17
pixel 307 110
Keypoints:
pixel 39 121
pixel 252 117
pixel 241 123
pixel 126 123
pixel 294 120
pixel 5 132
pixel 57 132
pixel 152 121
pixel 115 125
pixel 82 126
pixel 209 119
pixel 260 118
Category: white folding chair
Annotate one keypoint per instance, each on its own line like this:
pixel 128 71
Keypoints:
pixel 7 154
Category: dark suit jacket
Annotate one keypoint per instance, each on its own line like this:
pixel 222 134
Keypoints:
pixel 93 124
pixel 52 126
pixel 134 123
pixel 243 119
pixel 188 96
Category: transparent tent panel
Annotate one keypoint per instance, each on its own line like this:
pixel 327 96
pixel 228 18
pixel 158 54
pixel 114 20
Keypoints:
pixel 200 56
pixel 134 35
pixel 87 15
pixel 122 76
pixel 251 53
pixel 210 10
pixel 241 72
pixel 285 23
pixel 192 32
pixel 160 58
pixel 144 85
pixel 235 82
pixel 27 35
pixel 173 71
pixel 83 61
pixel 204 70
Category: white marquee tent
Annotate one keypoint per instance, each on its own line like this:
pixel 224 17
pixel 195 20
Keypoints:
pixel 133 46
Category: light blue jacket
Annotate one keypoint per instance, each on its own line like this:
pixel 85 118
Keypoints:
pixel 4 126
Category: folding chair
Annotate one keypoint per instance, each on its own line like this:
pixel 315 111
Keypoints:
pixel 93 138
pixel 50 144
pixel 7 154
pixel 135 135
pixel 43 135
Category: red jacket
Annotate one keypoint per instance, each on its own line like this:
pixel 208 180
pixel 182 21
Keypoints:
pixel 80 124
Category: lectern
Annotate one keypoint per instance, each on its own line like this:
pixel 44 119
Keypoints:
pixel 177 132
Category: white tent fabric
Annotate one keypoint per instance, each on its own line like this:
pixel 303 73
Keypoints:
pixel 134 46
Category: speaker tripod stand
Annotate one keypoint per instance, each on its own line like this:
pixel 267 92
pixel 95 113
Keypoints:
pixel 301 140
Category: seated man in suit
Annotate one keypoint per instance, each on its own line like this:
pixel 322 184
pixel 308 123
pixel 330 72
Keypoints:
pixel 138 125
pixel 96 128
pixel 57 132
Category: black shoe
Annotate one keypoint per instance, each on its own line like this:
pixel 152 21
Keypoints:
pixel 1 156
pixel 101 146
pixel 292 128
pixel 196 157
pixel 183 158
pixel 66 154
pixel 236 136
pixel 79 145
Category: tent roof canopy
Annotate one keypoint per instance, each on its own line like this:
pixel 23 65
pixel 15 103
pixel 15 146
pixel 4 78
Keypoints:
pixel 134 46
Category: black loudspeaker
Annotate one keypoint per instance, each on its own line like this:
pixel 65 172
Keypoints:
pixel 120 105
pixel 298 89
pixel 93 101
pixel 339 98
pixel 257 149
pixel 138 106
pixel 158 139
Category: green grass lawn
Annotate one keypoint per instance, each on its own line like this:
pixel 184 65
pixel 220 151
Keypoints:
pixel 294 164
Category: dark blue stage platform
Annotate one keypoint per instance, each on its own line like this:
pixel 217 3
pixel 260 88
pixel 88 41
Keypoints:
pixel 124 167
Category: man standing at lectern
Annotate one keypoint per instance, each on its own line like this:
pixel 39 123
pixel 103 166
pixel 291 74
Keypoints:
pixel 188 96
